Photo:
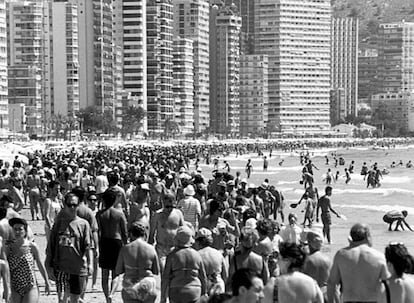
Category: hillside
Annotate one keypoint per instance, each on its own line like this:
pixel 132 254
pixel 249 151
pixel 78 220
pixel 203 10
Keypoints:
pixel 374 12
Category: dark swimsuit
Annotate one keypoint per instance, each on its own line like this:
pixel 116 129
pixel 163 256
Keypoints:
pixel 22 275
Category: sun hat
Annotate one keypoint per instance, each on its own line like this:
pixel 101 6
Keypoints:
pixel 189 190
pixel 144 186
pixel 222 183
pixel 14 221
pixel 204 233
pixel 184 237
pixel 264 185
pixel 252 223
pixel 230 183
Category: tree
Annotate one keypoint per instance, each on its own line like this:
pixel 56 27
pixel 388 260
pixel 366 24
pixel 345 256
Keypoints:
pixel 95 121
pixel 171 128
pixel 131 119
pixel 92 118
pixel 383 117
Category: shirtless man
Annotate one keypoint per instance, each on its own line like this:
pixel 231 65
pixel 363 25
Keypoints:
pixel 358 268
pixel 213 261
pixel 324 203
pixel 139 211
pixel 164 227
pixel 138 262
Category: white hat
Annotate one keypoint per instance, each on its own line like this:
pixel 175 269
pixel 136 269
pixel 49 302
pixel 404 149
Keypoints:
pixel 144 186
pixel 252 223
pixel 189 190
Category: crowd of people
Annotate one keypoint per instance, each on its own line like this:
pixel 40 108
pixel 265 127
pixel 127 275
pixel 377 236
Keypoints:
pixel 159 229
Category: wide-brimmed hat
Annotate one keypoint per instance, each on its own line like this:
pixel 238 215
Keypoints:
pixel 184 237
pixel 189 190
pixel 14 221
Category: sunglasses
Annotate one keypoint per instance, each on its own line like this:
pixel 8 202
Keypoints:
pixel 93 199
pixel 72 205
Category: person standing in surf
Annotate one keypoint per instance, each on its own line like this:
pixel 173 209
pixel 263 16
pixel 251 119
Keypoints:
pixel 324 204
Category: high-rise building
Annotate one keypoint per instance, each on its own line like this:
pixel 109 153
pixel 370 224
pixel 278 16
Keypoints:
pixel 367 74
pixel 344 64
pixel 159 65
pixel 396 57
pixel 395 83
pixel 191 20
pixel 130 34
pixel 63 60
pixel 246 10
pixel 296 36
pixel 96 79
pixel 224 71
pixel 183 84
pixel 400 105
pixel 254 96
pixel 26 59
pixel 4 113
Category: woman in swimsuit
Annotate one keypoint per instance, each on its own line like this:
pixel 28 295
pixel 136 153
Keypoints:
pixel 21 255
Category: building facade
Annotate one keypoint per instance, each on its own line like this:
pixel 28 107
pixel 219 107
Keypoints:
pixel 400 105
pixel 254 98
pixel 183 84
pixel 131 32
pixel 367 74
pixel 191 21
pixel 26 60
pixel 224 71
pixel 395 57
pixel 296 36
pixel 4 114
pixel 344 63
pixel 159 65
pixel 63 62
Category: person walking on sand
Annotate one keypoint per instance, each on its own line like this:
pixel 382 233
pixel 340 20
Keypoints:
pixel 138 261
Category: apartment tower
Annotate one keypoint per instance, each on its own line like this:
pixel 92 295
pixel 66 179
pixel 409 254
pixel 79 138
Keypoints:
pixel 254 98
pixel 160 107
pixel 63 64
pixel 183 84
pixel 344 63
pixel 296 36
pixel 4 112
pixel 224 71
pixel 26 60
pixel 191 21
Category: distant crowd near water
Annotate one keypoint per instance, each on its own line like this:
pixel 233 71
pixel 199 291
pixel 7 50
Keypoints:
pixel 176 223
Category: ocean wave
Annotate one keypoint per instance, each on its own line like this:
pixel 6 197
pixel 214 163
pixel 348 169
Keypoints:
pixel 396 180
pixel 286 182
pixel 381 191
pixel 380 208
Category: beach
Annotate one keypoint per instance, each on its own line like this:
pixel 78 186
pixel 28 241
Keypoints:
pixel 353 200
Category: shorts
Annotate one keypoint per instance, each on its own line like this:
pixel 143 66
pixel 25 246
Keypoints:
pixel 388 219
pixel 326 218
pixel 108 252
pixel 74 284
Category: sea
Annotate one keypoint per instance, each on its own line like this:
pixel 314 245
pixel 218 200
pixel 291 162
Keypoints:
pixel 356 202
